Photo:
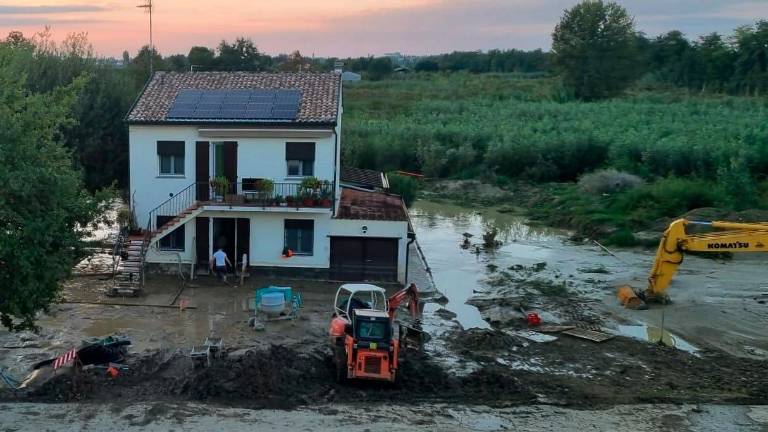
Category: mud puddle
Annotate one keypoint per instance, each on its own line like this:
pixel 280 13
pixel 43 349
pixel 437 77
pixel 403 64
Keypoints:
pixel 655 335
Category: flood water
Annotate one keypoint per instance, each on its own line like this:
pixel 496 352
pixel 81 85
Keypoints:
pixel 459 272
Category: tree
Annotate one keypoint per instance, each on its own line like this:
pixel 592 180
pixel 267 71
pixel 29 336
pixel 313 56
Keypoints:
pixel 296 63
pixel 716 60
pixel 44 208
pixel 752 58
pixel 242 55
pixel 594 48
pixel 177 63
pixel 201 58
pixel 379 68
pixel 426 65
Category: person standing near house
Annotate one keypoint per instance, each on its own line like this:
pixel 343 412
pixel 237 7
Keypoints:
pixel 220 260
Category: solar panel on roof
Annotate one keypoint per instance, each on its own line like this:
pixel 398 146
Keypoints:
pixel 237 104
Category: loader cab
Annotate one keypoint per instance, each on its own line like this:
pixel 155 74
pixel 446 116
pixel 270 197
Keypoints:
pixel 372 329
pixel 350 297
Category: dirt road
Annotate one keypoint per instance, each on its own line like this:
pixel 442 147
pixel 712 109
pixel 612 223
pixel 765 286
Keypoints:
pixel 162 416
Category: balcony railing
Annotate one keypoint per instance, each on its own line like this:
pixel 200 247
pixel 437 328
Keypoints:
pixel 267 194
pixel 254 193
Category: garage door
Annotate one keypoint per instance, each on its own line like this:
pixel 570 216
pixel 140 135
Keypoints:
pixel 363 259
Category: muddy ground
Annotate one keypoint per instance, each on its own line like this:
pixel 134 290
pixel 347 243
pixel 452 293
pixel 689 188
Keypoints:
pixel 288 365
pixel 481 352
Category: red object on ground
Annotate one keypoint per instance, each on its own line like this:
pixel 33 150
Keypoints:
pixel 533 319
pixel 112 372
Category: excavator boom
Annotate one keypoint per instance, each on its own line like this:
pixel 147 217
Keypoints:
pixel 675 242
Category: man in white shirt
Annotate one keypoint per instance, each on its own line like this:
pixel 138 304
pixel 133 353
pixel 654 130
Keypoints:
pixel 220 260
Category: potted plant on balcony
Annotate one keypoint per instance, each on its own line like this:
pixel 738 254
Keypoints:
pixel 265 188
pixel 309 189
pixel 279 201
pixel 290 200
pixel 220 186
pixel 325 193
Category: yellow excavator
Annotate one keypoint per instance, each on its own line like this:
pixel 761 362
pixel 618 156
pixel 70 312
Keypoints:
pixel 725 237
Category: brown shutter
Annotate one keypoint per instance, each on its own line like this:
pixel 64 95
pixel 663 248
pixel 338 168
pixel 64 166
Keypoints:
pixel 300 151
pixel 230 162
pixel 202 167
pixel 170 148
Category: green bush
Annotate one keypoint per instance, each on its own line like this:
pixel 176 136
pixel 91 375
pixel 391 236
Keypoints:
pixel 405 186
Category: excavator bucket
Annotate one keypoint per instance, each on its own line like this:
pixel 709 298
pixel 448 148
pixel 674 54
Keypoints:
pixel 629 298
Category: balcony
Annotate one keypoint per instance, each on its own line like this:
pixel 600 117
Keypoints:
pixel 266 194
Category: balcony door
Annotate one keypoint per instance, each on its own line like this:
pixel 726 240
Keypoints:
pixel 223 162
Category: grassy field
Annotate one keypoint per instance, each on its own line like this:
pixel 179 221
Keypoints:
pixel 691 150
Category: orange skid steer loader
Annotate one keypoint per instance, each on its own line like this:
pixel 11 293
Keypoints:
pixel 365 337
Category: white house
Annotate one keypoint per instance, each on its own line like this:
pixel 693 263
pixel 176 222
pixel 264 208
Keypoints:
pixel 250 162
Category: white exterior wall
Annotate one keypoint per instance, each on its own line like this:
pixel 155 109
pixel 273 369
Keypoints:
pixel 265 158
pixel 148 188
pixel 267 239
pixel 256 158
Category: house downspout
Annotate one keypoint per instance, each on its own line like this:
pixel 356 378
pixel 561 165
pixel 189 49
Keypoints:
pixel 412 237
pixel 336 180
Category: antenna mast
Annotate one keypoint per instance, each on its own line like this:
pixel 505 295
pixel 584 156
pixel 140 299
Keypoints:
pixel 148 7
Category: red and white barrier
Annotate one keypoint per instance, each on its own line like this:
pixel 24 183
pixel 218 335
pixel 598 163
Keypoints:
pixel 65 358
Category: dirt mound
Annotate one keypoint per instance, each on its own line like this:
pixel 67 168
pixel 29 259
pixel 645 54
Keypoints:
pixel 483 340
pixel 277 377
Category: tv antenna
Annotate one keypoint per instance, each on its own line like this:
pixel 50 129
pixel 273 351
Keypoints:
pixel 147 6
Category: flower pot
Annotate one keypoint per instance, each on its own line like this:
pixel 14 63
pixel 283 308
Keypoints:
pixel 308 202
pixel 325 202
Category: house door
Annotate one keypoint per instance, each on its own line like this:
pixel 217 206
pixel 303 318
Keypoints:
pixel 224 236
pixel 233 235
pixel 364 259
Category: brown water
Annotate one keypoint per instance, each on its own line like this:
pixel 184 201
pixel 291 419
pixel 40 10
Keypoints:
pixel 459 272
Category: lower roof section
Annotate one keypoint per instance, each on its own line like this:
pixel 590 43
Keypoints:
pixel 368 205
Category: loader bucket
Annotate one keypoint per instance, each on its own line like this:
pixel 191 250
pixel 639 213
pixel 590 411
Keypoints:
pixel 413 337
pixel 629 299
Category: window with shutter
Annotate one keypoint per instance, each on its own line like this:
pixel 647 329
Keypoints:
pixel 171 158
pixel 300 159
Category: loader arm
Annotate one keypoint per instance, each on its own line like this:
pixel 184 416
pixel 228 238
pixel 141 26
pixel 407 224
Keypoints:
pixel 411 294
pixel 734 237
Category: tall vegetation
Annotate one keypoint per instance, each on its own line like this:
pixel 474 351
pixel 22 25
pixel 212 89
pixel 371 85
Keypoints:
pixel 44 208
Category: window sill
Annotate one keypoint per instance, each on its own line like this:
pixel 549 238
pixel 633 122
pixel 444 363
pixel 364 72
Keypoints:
pixel 298 177
pixel 173 176
pixel 303 254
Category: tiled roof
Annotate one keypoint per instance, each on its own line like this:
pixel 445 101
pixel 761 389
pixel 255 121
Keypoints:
pixel 319 92
pixel 364 177
pixel 365 205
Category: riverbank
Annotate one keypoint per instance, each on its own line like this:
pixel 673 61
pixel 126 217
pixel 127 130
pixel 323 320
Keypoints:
pixel 632 217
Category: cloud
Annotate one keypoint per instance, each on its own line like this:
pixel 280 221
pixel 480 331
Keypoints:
pixel 53 9
pixel 34 24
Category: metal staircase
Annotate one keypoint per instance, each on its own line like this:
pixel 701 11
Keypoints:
pixel 131 251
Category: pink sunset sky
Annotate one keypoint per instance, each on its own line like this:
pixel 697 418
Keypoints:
pixel 350 28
